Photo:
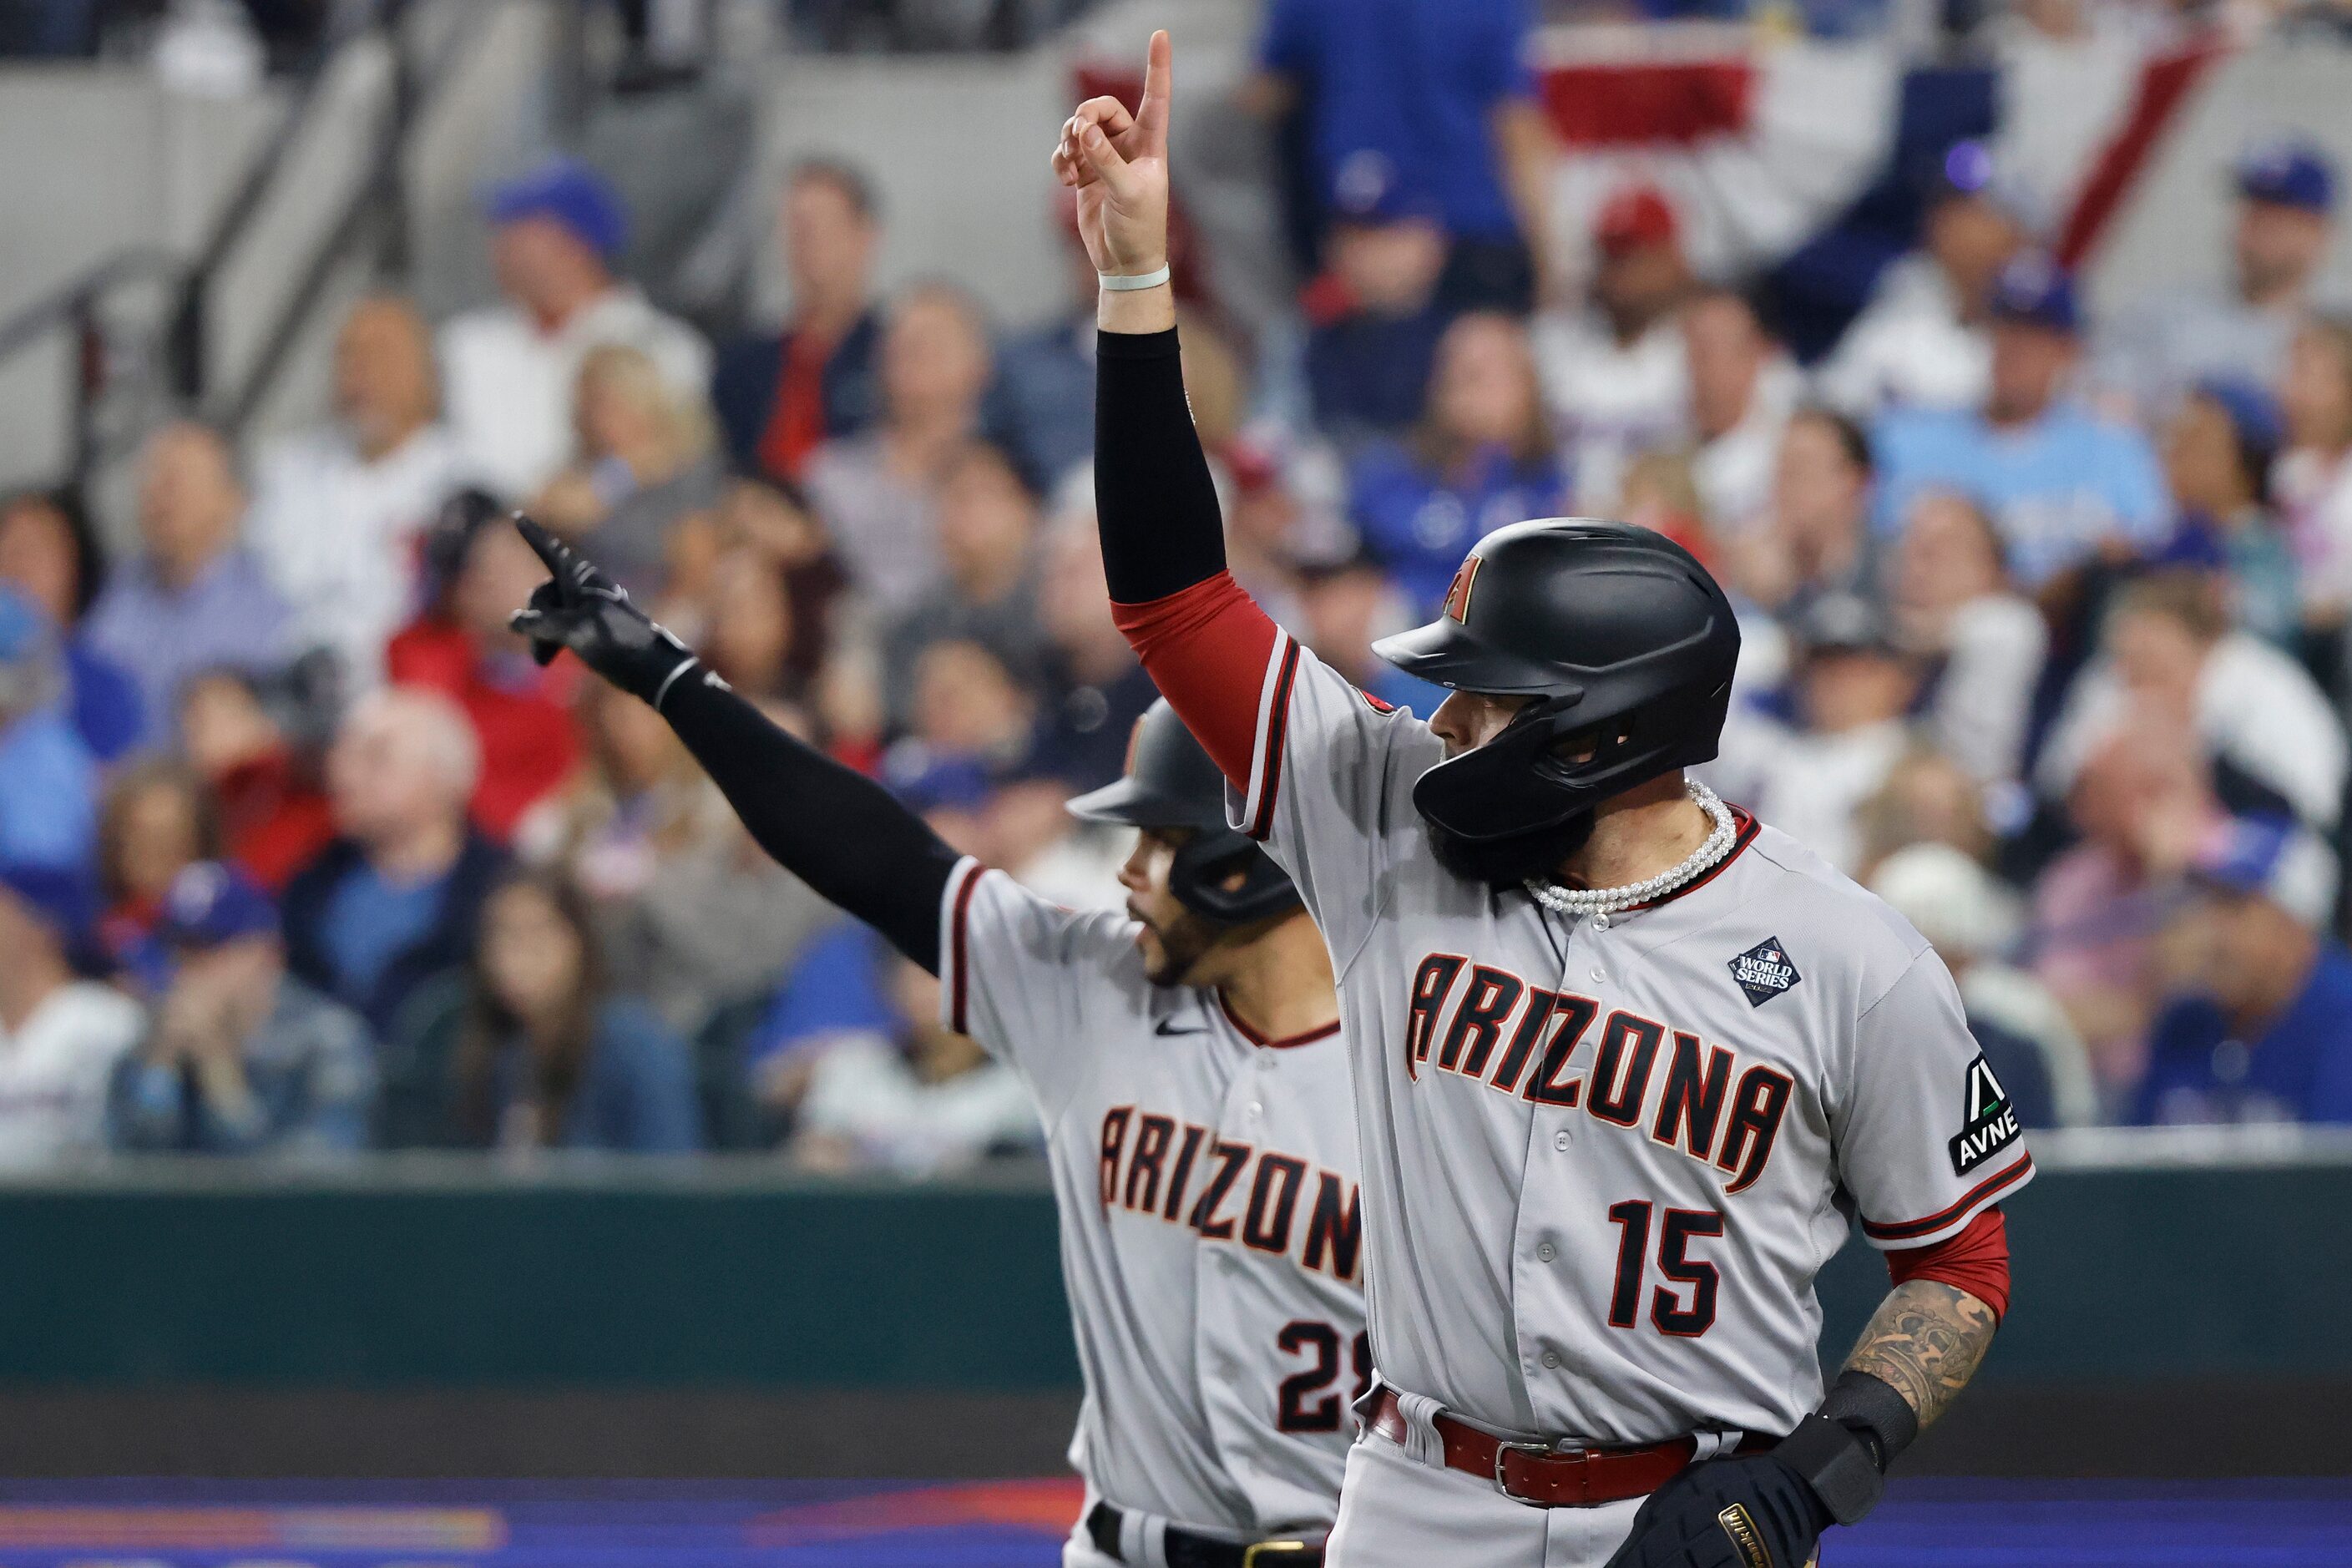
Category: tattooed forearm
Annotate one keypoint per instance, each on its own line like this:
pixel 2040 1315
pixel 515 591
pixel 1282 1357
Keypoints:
pixel 1925 1339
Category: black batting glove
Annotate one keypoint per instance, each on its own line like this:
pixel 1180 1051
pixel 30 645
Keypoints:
pixel 1752 1512
pixel 584 610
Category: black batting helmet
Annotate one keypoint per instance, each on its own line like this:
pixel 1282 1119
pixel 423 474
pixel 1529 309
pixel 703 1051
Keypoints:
pixel 1619 635
pixel 1172 783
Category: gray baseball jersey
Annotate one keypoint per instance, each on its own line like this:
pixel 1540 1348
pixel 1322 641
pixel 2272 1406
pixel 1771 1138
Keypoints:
pixel 1605 1157
pixel 1206 1179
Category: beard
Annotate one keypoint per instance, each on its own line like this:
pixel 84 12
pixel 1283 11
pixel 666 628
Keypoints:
pixel 1189 938
pixel 1504 864
pixel 1183 940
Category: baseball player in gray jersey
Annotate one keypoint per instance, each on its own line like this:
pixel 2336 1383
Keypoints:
pixel 1187 1065
pixel 1627 1062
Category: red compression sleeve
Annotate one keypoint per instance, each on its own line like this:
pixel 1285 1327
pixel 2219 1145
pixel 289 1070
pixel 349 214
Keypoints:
pixel 1975 1261
pixel 1207 648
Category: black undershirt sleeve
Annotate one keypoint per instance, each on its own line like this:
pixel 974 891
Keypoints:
pixel 1157 506
pixel 832 827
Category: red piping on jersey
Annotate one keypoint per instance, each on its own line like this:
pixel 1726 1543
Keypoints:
pixel 1278 721
pixel 1974 1260
pixel 1207 648
pixel 956 947
pixel 1743 833
pixel 1902 1230
pixel 1306 1037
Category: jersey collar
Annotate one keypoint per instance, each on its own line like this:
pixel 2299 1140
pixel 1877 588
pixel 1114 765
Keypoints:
pixel 1308 1038
pixel 1744 827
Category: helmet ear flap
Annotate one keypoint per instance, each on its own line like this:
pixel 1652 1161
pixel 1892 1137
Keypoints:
pixel 1206 862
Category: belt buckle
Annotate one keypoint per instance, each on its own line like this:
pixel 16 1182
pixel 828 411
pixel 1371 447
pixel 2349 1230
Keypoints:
pixel 1262 1553
pixel 1503 1449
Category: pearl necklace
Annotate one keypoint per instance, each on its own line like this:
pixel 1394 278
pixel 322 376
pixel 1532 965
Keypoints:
pixel 1602 902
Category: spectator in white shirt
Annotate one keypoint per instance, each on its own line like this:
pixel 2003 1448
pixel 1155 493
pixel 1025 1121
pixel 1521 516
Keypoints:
pixel 2169 649
pixel 1614 375
pixel 340 510
pixel 59 1037
pixel 1953 604
pixel 510 369
pixel 1853 688
pixel 1925 338
pixel 1742 389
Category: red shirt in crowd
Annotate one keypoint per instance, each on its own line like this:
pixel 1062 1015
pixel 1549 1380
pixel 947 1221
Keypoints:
pixel 273 818
pixel 796 423
pixel 521 715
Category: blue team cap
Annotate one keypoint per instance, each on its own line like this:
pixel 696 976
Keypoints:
pixel 2272 858
pixel 1968 170
pixel 925 781
pixel 2291 171
pixel 2033 290
pixel 2253 412
pixel 1369 189
pixel 570 193
pixel 58 898
pixel 209 903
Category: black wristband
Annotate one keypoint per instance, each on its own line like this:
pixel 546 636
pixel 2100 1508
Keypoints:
pixel 1871 1409
pixel 1833 1462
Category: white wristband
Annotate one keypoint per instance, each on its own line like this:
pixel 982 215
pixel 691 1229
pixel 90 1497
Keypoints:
pixel 1123 283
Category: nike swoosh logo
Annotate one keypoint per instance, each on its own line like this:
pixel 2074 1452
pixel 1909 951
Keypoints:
pixel 1166 1027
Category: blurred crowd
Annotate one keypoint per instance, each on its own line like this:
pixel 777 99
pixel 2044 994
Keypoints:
pixel 2044 620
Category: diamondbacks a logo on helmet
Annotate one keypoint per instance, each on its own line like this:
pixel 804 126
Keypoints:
pixel 1764 972
pixel 1458 596
pixel 1989 1122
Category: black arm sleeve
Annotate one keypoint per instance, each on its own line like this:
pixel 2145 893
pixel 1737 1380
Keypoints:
pixel 1157 506
pixel 834 828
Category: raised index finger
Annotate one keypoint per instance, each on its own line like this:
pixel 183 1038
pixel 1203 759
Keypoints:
pixel 552 552
pixel 1158 81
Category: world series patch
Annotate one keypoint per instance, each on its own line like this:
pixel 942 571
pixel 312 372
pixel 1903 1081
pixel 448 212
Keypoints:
pixel 1764 971
pixel 1989 1122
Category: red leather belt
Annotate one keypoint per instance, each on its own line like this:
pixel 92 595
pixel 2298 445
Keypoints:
pixel 1545 1477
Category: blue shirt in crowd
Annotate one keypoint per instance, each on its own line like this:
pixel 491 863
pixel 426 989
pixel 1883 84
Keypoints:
pixel 836 986
pixel 1369 376
pixel 637 1093
pixel 1419 525
pixel 2055 488
pixel 1046 381
pixel 1414 83
pixel 48 792
pixel 229 616
pixel 371 920
pixel 2299 1068
pixel 107 708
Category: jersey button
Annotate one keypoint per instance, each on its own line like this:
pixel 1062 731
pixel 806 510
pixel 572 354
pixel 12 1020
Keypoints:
pixel 1551 1360
pixel 1257 1108
pixel 1546 1252
pixel 1560 1142
pixel 1599 975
